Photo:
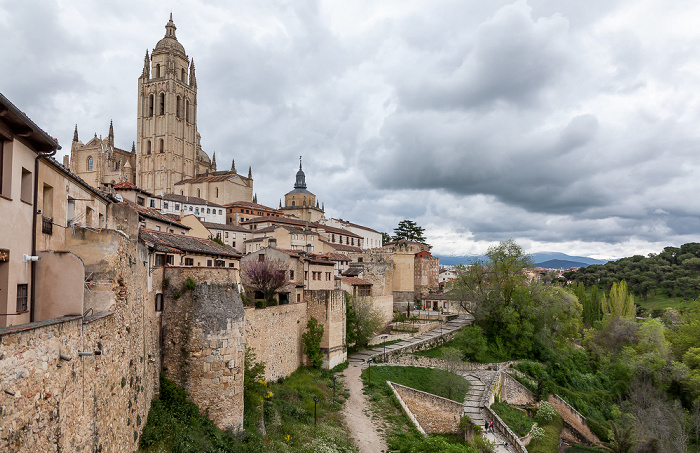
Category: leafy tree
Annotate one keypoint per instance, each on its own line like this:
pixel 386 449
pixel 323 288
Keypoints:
pixel 367 320
pixel 410 231
pixel 386 238
pixel 266 276
pixel 451 382
pixel 473 344
pixel 623 440
pixel 312 342
pixel 620 303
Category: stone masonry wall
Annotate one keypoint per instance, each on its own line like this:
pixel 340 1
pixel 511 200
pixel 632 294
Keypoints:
pixel 435 414
pixel 513 392
pixel 328 307
pixel 573 419
pixel 203 333
pixel 274 335
pixel 94 402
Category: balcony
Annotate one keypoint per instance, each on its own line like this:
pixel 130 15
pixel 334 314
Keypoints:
pixel 47 225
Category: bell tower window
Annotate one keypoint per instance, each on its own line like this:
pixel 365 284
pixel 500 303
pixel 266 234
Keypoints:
pixel 150 105
pixel 158 70
pixel 162 103
pixel 183 75
pixel 90 163
pixel 162 148
pixel 178 107
pixel 148 147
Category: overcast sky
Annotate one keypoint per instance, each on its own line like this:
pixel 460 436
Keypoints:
pixel 567 125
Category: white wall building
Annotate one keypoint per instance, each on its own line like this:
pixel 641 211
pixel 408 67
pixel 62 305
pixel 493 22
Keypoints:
pixel 371 238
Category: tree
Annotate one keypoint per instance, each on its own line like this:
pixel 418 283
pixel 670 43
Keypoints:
pixel 266 276
pixel 312 342
pixel 622 440
pixel 410 231
pixel 368 320
pixel 449 381
pixel 386 238
pixel 620 304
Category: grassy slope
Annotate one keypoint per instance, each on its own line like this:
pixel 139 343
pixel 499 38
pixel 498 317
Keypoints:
pixel 424 379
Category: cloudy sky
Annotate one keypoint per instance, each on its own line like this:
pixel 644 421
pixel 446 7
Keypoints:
pixel 566 125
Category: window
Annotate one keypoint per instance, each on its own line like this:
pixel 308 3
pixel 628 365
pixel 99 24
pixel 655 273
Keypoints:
pixel 298 297
pixel 177 206
pixel 165 205
pixel 207 210
pixel 117 164
pixel 183 76
pixel 153 203
pixel 233 244
pixel 196 210
pixel 199 193
pixel 209 263
pixel 364 291
pixel 231 264
pixel 22 297
pixel 291 275
pixel 190 208
pixel 217 196
pixel 140 201
pixel 157 227
pixel 88 216
pixel 162 103
pixel 306 275
pixel 148 147
pixel 219 263
pixel 26 188
pixel 359 260
pixel 178 107
pixel 90 163
pixel 261 257
pixel 189 262
pixel 328 275
pixel 159 302
pixel 162 146
pixel 187 111
pixel 158 70
pixel 226 234
pixel 160 260
pixel 332 237
pixel 150 105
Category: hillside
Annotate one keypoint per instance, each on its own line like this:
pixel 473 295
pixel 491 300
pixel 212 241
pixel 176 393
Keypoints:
pixel 560 264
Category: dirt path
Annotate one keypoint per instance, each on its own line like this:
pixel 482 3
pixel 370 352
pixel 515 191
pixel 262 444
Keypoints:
pixel 356 412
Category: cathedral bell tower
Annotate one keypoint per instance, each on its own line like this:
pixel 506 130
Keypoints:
pixel 166 145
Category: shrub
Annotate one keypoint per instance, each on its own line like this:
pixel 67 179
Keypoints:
pixel 537 432
pixel 188 285
pixel 260 303
pixel 545 413
pixel 312 342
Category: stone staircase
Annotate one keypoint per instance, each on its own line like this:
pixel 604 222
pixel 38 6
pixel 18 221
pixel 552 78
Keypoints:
pixel 481 384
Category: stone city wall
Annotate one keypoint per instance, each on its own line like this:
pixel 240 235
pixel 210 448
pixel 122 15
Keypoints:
pixel 274 335
pixel 573 419
pixel 203 329
pixel 513 392
pixel 505 431
pixel 328 307
pixel 406 359
pixel 433 413
pixel 94 401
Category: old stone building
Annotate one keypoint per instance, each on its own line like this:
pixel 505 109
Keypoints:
pixel 300 203
pixel 100 163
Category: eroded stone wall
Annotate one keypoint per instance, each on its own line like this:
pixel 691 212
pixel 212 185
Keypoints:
pixel 203 329
pixel 274 335
pixel 435 414
pixel 98 401
pixel 513 392
pixel 328 307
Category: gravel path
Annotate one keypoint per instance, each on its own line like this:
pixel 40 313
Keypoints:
pixel 356 413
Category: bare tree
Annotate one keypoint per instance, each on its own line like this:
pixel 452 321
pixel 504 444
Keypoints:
pixel 266 276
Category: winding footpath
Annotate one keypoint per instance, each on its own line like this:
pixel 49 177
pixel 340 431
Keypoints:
pixel 357 413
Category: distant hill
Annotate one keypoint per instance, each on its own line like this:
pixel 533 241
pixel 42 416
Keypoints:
pixel 560 264
pixel 539 258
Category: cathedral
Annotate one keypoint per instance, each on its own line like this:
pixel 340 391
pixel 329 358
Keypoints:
pixel 167 156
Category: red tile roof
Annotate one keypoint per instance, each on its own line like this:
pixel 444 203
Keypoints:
pixel 180 243
pixel 335 256
pixel 188 200
pixel 355 281
pixel 154 214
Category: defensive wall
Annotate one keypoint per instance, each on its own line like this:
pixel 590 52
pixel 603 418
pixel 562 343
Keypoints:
pixel 574 421
pixel 430 413
pixel 202 346
pixel 79 383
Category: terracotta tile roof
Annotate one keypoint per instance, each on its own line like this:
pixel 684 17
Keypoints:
pixel 154 214
pixel 354 281
pixel 335 256
pixel 357 226
pixel 335 230
pixel 344 248
pixel 353 272
pixel 188 200
pixel 182 243
pixel 311 225
pixel 125 185
pixel 251 205
pixel 223 226
pixel 210 178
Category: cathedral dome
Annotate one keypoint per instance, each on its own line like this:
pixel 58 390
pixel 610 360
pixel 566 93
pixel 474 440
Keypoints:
pixel 169 42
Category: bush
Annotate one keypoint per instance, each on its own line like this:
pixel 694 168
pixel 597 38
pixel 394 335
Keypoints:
pixel 312 342
pixel 189 284
pixel 545 413
pixel 537 433
pixel 260 303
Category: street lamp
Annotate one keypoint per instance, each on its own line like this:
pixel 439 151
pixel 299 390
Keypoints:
pixel 384 337
pixel 315 401
pixel 334 378
pixel 369 372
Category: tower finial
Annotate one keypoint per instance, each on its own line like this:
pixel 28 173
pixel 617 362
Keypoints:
pixel 213 162
pixel 75 134
pixel 299 162
pixel 233 165
pixel 110 136
pixel 133 147
pixel 193 79
pixel 146 66
pixel 170 28
pixel 250 172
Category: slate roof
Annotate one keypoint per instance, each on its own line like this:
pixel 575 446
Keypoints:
pixel 354 281
pixel 176 243
pixel 188 200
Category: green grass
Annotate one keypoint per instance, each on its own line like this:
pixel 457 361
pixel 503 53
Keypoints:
pixel 519 422
pixel 550 442
pixel 386 343
pixel 401 435
pixel 436 352
pixel 424 379
pixel 176 425
pixel 582 449
pixel 662 301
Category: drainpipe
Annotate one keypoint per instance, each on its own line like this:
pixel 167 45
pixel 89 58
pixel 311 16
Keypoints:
pixel 32 298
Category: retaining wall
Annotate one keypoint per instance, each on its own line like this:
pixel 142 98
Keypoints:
pixel 573 419
pixel 432 414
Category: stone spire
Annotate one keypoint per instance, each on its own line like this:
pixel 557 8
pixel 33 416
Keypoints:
pixel 317 206
pixel 75 134
pixel 193 79
pixel 250 172
pixel 233 165
pixel 146 66
pixel 213 162
pixel 323 207
pixel 133 148
pixel 110 137
pixel 255 198
pixel 280 204
pixel 170 28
